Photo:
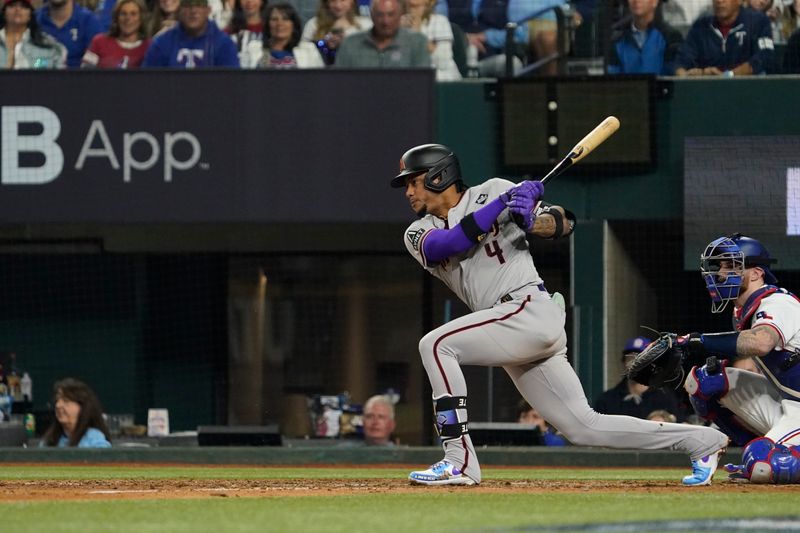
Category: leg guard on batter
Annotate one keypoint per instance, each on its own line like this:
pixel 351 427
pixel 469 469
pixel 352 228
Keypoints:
pixel 451 416
pixel 763 461
pixel 706 385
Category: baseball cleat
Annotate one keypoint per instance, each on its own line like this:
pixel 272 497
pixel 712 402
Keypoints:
pixel 441 473
pixel 703 470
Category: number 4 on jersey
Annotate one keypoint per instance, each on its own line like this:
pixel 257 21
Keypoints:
pixel 493 250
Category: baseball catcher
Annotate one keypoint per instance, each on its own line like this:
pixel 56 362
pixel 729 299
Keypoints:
pixel 760 411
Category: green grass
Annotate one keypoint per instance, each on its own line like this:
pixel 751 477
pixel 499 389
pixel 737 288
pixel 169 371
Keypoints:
pixel 420 510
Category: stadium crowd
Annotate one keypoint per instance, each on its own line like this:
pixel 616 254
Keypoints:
pixel 457 38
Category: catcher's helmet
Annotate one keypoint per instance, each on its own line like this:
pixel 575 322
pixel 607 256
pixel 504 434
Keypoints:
pixel 739 252
pixel 436 160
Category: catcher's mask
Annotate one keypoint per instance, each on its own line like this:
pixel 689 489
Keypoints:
pixel 436 161
pixel 723 263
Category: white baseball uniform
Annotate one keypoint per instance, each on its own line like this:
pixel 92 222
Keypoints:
pixel 756 399
pixel 515 324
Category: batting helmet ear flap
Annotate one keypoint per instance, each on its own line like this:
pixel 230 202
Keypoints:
pixel 436 161
pixel 446 172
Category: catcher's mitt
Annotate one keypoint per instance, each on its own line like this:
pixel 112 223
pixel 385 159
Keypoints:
pixel 660 363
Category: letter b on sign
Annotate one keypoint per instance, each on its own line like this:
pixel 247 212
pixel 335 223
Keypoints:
pixel 43 143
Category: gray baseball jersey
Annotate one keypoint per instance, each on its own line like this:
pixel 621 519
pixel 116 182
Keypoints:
pixel 498 265
pixel 515 324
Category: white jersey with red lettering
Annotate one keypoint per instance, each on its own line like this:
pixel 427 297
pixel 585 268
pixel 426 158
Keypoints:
pixel 781 311
pixel 768 403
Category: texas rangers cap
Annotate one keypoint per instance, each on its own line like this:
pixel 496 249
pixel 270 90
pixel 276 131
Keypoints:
pixel 635 345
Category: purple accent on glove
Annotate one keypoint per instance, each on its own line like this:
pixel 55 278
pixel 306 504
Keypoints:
pixel 442 243
pixel 523 201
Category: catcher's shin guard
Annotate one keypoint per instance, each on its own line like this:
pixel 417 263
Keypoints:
pixel 451 416
pixel 764 461
pixel 706 385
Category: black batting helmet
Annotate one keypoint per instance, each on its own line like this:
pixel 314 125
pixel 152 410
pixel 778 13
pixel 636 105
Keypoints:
pixel 436 160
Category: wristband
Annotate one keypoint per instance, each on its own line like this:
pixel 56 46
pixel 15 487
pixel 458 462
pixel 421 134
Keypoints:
pixel 721 343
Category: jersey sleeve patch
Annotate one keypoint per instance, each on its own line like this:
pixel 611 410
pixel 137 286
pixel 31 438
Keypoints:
pixel 414 237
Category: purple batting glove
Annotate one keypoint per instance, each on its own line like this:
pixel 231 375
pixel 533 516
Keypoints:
pixel 533 189
pixel 521 209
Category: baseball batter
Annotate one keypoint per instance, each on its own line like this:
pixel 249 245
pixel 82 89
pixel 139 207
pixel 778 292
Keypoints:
pixel 766 320
pixel 473 239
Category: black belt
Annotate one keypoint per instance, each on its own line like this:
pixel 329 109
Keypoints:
pixel 507 297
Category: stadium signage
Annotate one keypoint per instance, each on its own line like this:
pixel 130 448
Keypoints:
pixel 44 142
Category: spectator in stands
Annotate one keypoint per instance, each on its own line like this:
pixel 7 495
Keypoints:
pixel 379 423
pixel 734 41
pixel 222 12
pixel 101 9
pixel 683 13
pixel 420 17
pixel 788 19
pixel 247 25
pixel 484 23
pixel 196 41
pixel 72 25
pixel 631 398
pixel 773 13
pixel 165 16
pixel 645 44
pixel 335 20
pixel 791 56
pixel 281 46
pixel 22 43
pixel 78 417
pixel 125 43
pixel 386 45
pixel 528 415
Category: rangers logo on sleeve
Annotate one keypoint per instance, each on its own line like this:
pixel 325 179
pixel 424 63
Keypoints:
pixel 414 236
pixel 762 315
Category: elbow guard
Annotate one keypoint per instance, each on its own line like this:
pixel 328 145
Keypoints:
pixel 565 224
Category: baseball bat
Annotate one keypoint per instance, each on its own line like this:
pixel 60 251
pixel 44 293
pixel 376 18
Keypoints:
pixel 593 139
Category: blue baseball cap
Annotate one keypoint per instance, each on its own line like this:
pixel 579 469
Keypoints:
pixel 635 345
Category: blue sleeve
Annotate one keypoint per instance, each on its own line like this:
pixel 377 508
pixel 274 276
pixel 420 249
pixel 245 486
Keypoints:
pixel 91 28
pixel 104 16
pixel 763 49
pixel 228 56
pixel 154 56
pixel 94 438
pixel 613 65
pixel 687 53
pixel 497 38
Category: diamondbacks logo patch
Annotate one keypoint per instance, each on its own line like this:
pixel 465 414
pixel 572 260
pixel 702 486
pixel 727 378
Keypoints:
pixel 414 237
pixel 481 198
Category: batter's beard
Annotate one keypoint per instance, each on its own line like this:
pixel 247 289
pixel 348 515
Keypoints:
pixel 422 212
